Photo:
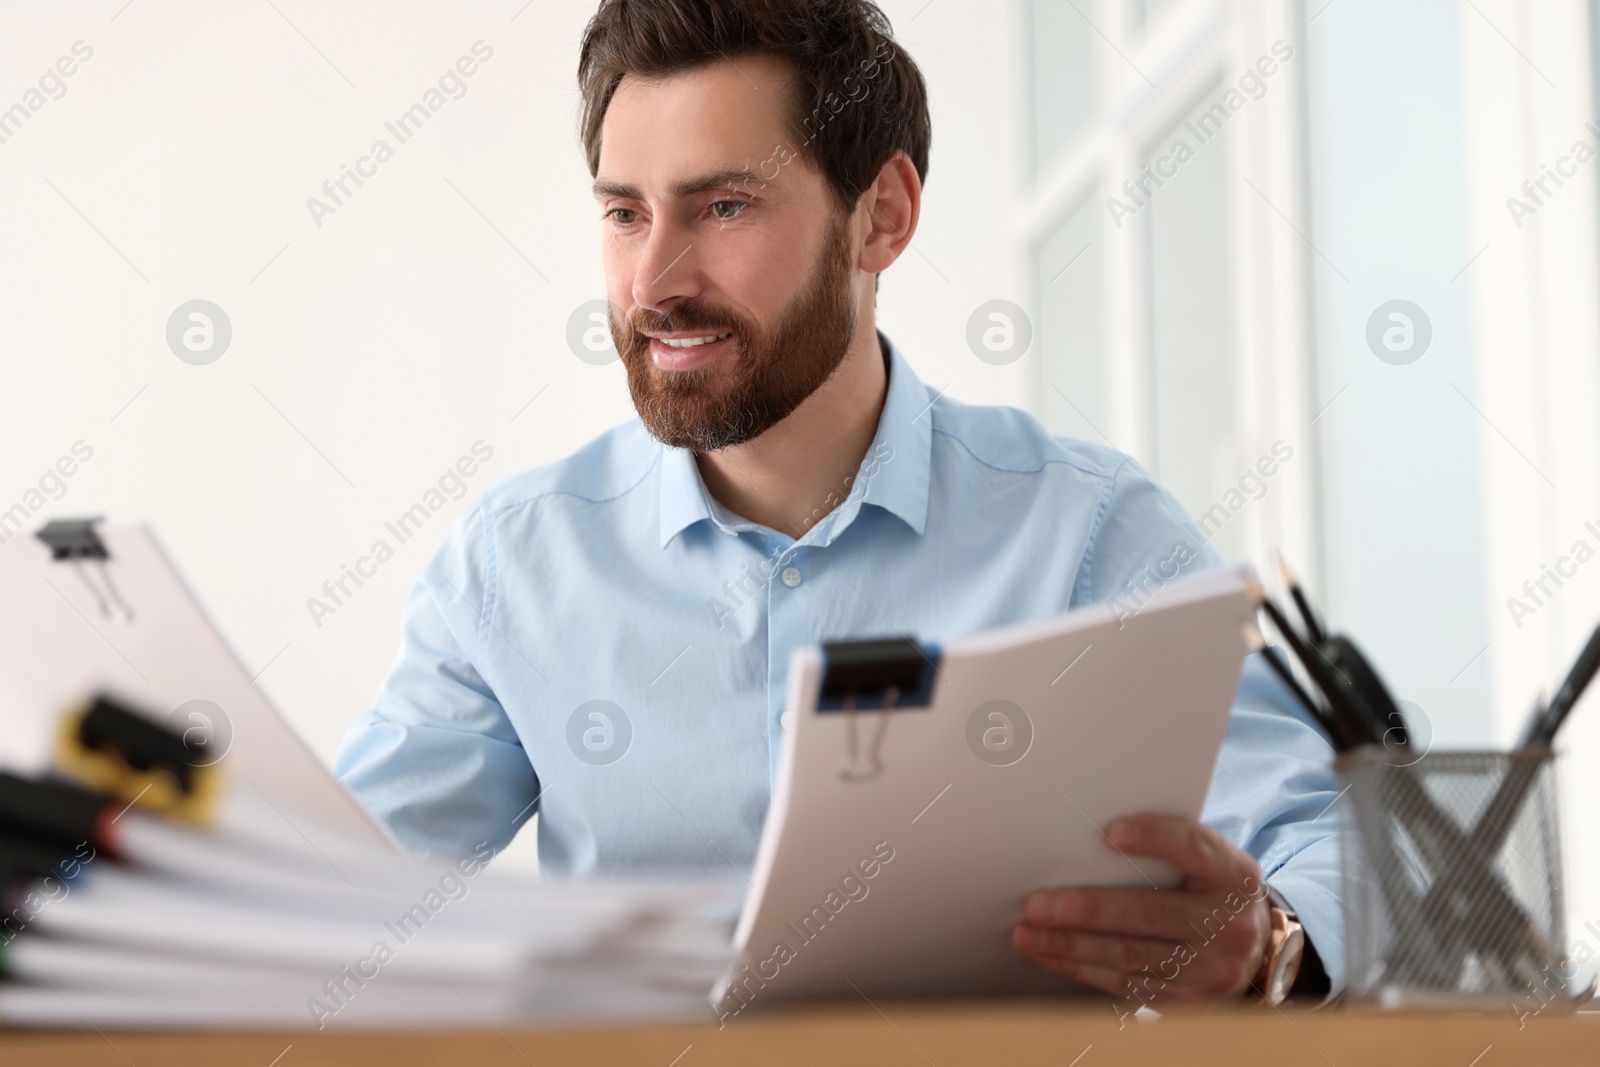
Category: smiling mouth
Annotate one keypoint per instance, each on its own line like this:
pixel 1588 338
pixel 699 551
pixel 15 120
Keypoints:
pixel 693 342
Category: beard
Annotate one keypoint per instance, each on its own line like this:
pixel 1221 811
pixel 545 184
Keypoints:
pixel 767 375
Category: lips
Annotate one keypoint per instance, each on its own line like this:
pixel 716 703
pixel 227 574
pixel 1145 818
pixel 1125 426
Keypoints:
pixel 692 342
pixel 670 358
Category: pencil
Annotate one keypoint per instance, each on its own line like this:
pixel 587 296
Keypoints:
pixel 1314 629
pixel 1355 721
pixel 1331 726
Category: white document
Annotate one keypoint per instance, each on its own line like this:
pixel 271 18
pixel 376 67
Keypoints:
pixel 1035 738
pixel 64 638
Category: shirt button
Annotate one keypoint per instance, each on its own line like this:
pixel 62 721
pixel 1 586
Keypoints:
pixel 791 576
pixel 786 719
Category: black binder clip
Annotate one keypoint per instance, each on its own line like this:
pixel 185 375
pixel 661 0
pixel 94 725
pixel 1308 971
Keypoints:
pixel 885 675
pixel 113 749
pixel 76 540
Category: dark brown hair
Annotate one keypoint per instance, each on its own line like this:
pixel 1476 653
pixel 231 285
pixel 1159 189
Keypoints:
pixel 859 97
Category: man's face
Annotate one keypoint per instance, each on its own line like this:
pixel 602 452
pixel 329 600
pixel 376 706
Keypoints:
pixel 715 228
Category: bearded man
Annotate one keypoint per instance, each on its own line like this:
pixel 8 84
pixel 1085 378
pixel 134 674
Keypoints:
pixel 604 640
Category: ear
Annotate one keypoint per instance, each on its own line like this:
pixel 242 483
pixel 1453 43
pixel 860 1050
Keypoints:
pixel 892 204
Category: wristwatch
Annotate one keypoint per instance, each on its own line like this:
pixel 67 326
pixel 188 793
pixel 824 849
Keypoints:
pixel 1286 945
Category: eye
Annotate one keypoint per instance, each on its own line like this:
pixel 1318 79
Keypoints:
pixel 737 205
pixel 614 212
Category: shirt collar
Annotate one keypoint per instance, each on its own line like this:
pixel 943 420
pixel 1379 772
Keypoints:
pixel 894 473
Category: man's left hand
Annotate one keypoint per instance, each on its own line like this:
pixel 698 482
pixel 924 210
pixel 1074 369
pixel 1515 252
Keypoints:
pixel 1202 941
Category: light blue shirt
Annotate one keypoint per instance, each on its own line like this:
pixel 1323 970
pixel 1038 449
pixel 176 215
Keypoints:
pixel 600 641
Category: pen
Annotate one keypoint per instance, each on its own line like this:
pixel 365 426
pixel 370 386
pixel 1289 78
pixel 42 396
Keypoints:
pixel 1578 678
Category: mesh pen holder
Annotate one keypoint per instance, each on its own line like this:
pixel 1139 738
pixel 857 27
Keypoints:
pixel 1452 878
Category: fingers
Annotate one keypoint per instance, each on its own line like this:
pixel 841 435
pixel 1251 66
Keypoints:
pixel 1215 941
pixel 1157 913
pixel 1228 927
pixel 1127 954
pixel 1206 858
pixel 1199 942
pixel 1105 979
pixel 1168 980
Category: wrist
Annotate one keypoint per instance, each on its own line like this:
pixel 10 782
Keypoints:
pixel 1313 983
pixel 1283 958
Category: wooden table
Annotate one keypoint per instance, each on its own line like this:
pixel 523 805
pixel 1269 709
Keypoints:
pixel 885 1035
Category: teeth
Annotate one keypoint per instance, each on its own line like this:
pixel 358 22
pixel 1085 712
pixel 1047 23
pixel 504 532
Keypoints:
pixel 691 342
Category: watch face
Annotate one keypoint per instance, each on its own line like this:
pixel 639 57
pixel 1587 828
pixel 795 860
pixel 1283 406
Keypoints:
pixel 1287 966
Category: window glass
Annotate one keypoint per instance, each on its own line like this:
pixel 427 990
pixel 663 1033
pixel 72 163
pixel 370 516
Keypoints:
pixel 1186 227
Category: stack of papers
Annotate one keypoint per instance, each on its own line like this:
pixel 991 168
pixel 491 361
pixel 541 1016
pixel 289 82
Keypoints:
pixel 173 855
pixel 144 922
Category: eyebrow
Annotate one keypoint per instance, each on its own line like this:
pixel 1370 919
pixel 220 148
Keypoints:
pixel 685 187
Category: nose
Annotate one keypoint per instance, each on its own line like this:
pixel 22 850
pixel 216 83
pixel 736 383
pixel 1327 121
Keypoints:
pixel 667 273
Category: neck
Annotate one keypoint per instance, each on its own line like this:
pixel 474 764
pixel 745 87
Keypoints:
pixel 802 468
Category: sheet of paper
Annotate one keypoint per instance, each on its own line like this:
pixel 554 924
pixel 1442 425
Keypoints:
pixel 58 647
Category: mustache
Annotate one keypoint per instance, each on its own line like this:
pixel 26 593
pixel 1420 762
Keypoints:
pixel 681 319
